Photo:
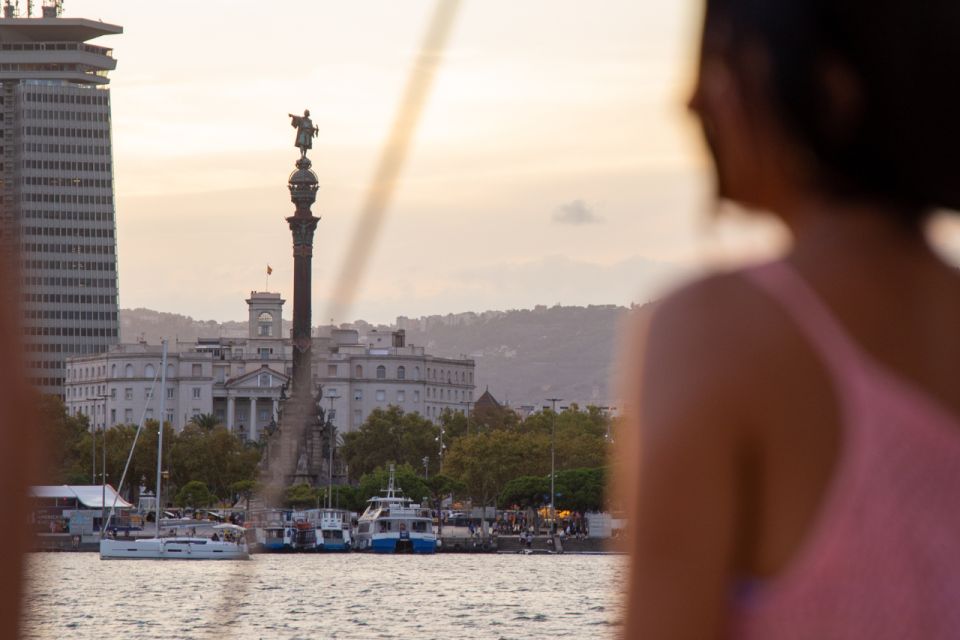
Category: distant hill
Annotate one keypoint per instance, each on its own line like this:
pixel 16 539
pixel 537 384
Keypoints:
pixel 524 356
pixel 151 326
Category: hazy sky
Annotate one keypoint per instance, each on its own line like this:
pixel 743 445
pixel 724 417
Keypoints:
pixel 555 162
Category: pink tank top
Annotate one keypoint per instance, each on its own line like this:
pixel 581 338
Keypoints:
pixel 882 558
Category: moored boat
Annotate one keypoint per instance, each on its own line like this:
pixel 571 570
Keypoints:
pixel 393 523
pixel 335 530
pixel 228 541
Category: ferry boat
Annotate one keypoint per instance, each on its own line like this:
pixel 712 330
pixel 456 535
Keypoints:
pixel 275 538
pixel 335 530
pixel 394 524
pixel 281 531
pixel 306 532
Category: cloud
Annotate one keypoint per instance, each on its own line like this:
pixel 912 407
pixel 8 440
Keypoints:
pixel 576 212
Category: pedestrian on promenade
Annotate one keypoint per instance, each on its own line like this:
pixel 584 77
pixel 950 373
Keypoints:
pixel 796 457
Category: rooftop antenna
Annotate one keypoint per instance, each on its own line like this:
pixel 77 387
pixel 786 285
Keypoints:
pixel 52 8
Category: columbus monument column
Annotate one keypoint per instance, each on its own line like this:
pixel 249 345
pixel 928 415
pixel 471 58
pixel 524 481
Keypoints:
pixel 295 458
pixel 303 187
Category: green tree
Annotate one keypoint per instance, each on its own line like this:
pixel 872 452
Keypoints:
pixel 455 425
pixel 525 491
pixel 300 496
pixel 244 490
pixel 205 421
pixel 390 435
pixel 194 494
pixel 581 489
pixel 344 497
pixel 66 442
pixel 442 485
pixel 214 456
pixel 487 461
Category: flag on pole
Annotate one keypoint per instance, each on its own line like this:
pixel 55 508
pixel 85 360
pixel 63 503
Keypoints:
pixel 269 270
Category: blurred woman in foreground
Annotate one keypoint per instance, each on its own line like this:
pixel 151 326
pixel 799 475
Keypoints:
pixel 799 453
pixel 19 456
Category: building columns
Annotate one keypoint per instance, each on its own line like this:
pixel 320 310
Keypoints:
pixel 253 419
pixel 231 413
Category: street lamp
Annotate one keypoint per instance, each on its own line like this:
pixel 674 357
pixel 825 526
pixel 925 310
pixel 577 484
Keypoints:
pixel 442 446
pixel 93 446
pixel 553 457
pixel 466 413
pixel 333 443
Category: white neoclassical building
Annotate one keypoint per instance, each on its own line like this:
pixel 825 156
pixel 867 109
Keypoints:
pixel 382 370
pixel 241 380
pixel 238 380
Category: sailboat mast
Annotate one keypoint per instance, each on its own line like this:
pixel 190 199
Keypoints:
pixel 163 400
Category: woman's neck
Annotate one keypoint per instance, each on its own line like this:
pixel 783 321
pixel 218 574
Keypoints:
pixel 826 229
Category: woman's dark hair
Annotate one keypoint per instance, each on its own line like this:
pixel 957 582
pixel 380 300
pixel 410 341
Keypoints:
pixel 900 144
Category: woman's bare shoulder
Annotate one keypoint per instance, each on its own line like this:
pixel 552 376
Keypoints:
pixel 721 321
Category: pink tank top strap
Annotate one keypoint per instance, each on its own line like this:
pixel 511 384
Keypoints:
pixel 812 317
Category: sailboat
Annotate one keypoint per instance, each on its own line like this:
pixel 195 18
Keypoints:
pixel 228 542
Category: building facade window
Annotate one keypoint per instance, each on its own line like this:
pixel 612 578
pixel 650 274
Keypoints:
pixel 358 394
pixel 332 370
pixel 401 373
pixel 381 395
pixel 128 415
pixel 196 392
pixel 149 371
pixel 416 395
pixel 128 371
pixel 196 370
pixel 128 393
pixel 170 393
pixel 358 371
pixel 381 372
pixel 401 396
pixel 416 373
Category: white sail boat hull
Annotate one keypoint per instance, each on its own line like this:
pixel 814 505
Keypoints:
pixel 231 546
pixel 173 549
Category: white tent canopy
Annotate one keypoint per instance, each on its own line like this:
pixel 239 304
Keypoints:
pixel 89 496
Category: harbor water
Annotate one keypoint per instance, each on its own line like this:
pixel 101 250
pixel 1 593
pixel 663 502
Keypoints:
pixel 79 596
